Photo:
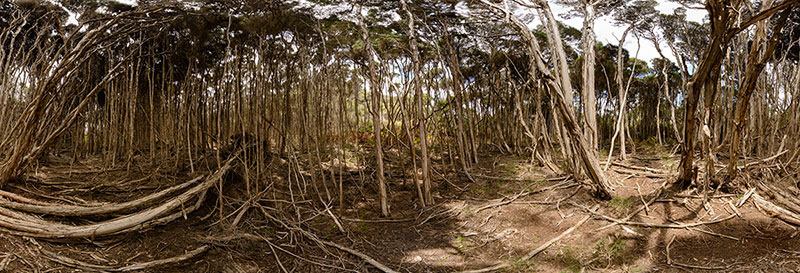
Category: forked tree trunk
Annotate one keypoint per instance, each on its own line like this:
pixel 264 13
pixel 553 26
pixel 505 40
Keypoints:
pixel 723 29
pixel 619 126
pixel 540 70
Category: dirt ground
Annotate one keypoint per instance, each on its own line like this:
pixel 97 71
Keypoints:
pixel 511 208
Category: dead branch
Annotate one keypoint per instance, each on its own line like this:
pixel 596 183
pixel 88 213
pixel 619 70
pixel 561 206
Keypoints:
pixel 72 210
pixel 127 223
pixel 775 211
pixel 133 267
pixel 652 225
pixel 656 194
pixel 508 200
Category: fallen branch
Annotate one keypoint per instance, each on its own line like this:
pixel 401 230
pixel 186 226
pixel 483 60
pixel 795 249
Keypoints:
pixel 775 211
pixel 645 169
pixel 508 200
pixel 641 173
pixel 23 199
pixel 45 229
pixel 366 258
pixel 313 237
pixel 72 210
pixel 652 225
pixel 656 195
pixel 133 267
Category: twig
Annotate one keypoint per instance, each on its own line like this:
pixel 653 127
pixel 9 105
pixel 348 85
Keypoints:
pixel 366 258
pixel 641 197
pixel 713 233
pixel 378 220
pixel 656 195
pixel 789 251
pixel 276 257
pixel 735 210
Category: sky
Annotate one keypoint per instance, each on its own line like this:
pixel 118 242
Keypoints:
pixel 606 32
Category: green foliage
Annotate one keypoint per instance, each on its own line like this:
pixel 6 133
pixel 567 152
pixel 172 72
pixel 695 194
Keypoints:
pixel 487 190
pixel 512 167
pixel 467 210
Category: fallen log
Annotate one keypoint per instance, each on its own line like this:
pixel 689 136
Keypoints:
pixel 775 211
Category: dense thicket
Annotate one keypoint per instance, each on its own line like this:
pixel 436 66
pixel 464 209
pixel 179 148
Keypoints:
pixel 442 81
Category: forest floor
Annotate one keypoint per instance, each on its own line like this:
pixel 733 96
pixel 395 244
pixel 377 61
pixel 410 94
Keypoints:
pixel 511 208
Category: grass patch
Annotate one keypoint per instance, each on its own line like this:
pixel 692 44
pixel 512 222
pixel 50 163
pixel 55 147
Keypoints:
pixel 463 245
pixel 468 211
pixel 488 189
pixel 570 258
pixel 621 204
pixel 362 227
pixel 609 250
pixel 519 264
pixel 511 168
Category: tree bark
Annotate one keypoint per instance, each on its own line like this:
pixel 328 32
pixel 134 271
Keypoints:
pixel 589 107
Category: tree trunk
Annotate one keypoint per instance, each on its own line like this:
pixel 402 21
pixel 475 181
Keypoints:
pixel 423 138
pixel 375 89
pixel 760 52
pixel 589 108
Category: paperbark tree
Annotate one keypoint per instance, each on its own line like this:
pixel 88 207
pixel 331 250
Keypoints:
pixel 540 70
pixel 723 28
pixel 417 82
pixel 761 51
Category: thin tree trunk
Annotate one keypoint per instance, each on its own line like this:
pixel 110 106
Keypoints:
pixel 589 108
pixel 760 52
pixel 423 138
pixel 375 89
